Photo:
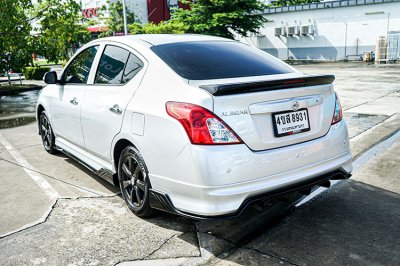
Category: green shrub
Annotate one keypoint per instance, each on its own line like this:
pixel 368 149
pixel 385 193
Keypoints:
pixel 171 27
pixel 35 73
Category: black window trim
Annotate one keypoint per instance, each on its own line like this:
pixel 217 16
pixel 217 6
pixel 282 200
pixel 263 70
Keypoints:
pixel 129 56
pixel 122 47
pixel 102 45
pixel 98 65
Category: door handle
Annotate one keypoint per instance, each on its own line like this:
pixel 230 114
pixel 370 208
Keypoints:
pixel 74 101
pixel 116 109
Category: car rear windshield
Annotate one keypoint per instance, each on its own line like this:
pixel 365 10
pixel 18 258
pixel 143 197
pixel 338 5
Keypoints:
pixel 218 59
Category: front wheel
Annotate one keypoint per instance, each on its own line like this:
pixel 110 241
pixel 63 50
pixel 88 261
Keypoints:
pixel 134 182
pixel 46 132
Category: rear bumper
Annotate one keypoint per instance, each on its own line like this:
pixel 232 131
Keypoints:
pixel 217 181
pixel 161 201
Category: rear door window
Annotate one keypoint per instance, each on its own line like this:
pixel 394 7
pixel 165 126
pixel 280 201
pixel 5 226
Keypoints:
pixel 117 66
pixel 133 66
pixel 218 59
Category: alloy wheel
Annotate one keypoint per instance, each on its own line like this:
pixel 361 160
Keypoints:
pixel 133 181
pixel 46 132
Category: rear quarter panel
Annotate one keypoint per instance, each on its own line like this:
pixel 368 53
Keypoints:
pixel 162 138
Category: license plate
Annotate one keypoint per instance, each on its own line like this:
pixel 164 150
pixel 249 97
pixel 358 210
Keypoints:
pixel 289 123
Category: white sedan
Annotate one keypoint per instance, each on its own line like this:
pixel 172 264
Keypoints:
pixel 195 125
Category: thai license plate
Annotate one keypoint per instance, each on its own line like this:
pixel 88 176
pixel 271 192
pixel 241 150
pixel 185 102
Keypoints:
pixel 289 123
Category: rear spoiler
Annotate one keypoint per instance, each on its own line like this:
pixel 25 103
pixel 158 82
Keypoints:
pixel 279 84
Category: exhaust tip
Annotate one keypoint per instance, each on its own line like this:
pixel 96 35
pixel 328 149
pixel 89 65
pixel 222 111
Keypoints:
pixel 339 177
pixel 326 184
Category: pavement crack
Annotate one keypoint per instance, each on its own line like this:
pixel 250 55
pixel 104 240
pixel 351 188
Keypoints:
pixel 47 215
pixel 42 220
pixel 225 239
pixel 161 246
pixel 236 246
pixel 271 255
pixel 154 251
pixel 100 196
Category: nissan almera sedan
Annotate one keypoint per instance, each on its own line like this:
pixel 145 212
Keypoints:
pixel 195 125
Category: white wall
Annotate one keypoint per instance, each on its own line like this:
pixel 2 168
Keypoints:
pixel 339 32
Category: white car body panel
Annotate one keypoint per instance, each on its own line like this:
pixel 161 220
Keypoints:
pixel 96 111
pixel 223 182
pixel 65 116
pixel 255 126
pixel 199 179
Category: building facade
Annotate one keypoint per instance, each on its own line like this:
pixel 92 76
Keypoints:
pixel 335 30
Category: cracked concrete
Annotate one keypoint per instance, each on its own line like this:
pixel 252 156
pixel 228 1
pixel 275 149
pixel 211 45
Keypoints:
pixel 177 247
pixel 39 221
pixel 18 208
pixel 345 227
pixel 247 256
pixel 98 231
pixel 250 223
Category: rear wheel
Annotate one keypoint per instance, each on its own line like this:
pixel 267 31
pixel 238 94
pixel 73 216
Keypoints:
pixel 46 132
pixel 134 182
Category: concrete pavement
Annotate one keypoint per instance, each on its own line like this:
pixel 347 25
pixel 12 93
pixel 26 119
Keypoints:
pixel 98 232
pixel 386 166
pixel 356 222
pixel 353 223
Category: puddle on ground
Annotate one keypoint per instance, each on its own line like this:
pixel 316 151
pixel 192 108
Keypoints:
pixel 363 115
pixel 18 110
pixel 358 123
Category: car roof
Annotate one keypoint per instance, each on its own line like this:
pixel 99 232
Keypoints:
pixel 158 39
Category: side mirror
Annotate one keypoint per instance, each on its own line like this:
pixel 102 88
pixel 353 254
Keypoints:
pixel 50 77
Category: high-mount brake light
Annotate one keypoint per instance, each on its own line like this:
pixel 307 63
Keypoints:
pixel 338 113
pixel 201 125
pixel 294 81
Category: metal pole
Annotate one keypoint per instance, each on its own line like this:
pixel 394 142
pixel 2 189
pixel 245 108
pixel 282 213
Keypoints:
pixel 345 43
pixel 124 12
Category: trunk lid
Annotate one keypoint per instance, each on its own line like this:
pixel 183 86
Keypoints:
pixel 256 108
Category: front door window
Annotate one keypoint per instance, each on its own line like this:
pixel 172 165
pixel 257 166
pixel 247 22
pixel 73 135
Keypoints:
pixel 78 70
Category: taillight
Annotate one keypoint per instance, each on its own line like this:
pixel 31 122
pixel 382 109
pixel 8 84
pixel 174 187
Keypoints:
pixel 338 114
pixel 201 125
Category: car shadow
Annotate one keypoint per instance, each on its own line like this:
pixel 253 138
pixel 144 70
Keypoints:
pixel 350 224
pixel 110 187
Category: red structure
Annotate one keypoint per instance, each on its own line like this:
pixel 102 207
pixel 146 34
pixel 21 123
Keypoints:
pixel 158 10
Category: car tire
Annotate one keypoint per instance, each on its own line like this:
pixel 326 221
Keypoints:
pixel 46 132
pixel 134 182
